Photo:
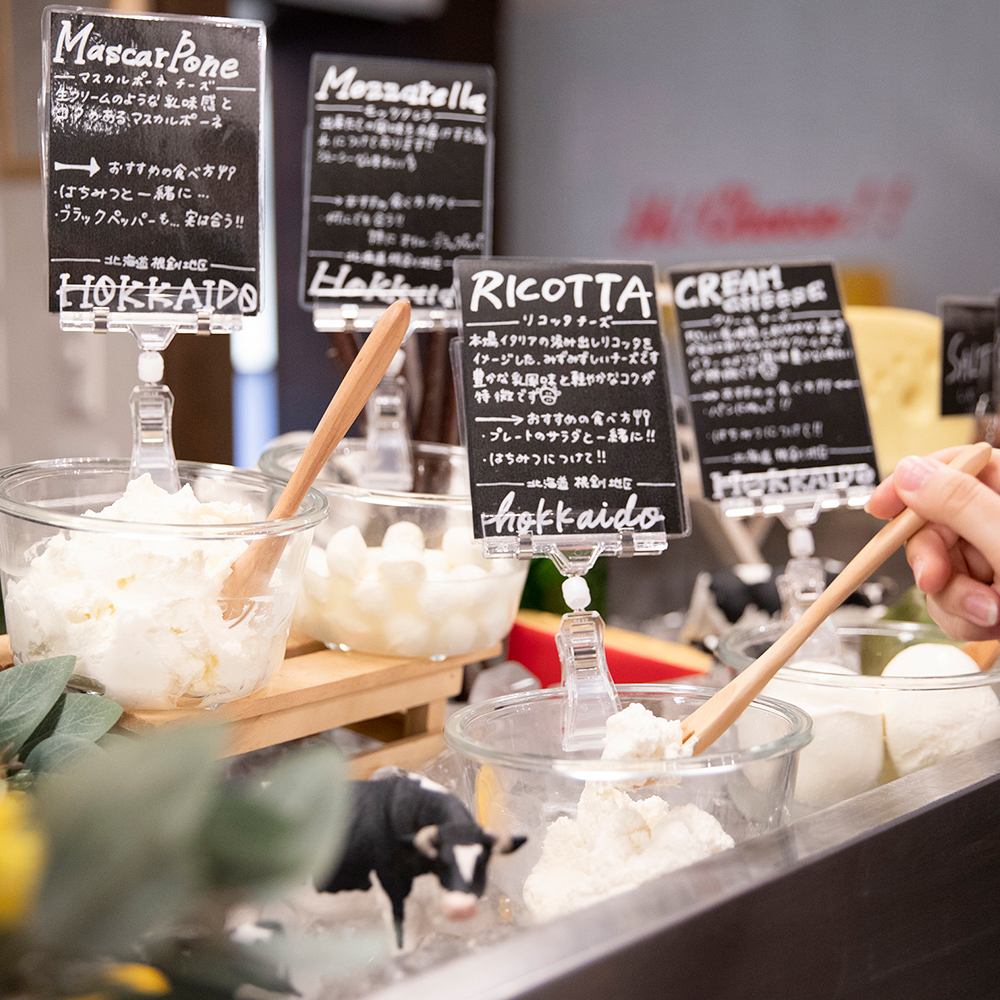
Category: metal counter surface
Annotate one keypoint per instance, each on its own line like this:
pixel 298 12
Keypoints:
pixel 892 894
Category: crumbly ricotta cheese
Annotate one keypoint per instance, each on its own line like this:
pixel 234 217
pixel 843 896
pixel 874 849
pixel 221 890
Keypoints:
pixel 142 615
pixel 617 841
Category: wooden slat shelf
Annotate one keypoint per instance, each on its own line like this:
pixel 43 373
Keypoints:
pixel 397 698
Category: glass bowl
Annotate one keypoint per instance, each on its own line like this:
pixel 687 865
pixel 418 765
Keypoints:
pixel 602 821
pixel 136 600
pixel 400 574
pixel 869 728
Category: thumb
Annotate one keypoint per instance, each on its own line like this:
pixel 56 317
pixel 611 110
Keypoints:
pixel 942 495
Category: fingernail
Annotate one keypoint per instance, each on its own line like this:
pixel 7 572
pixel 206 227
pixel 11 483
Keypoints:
pixel 918 569
pixel 912 472
pixel 981 610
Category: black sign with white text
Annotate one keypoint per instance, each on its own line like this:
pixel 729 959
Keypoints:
pixel 773 384
pixel 398 179
pixel 567 410
pixel 152 162
pixel 967 346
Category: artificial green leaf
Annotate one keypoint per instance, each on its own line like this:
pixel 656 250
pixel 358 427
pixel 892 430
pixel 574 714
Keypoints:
pixel 59 752
pixel 247 844
pixel 27 692
pixel 311 790
pixel 206 967
pixel 122 840
pixel 87 716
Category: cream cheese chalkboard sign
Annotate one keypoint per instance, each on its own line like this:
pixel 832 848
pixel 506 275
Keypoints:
pixel 567 411
pixel 398 179
pixel 967 350
pixel 152 161
pixel 775 397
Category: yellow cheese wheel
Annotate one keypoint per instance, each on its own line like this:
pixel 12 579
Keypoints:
pixel 899 360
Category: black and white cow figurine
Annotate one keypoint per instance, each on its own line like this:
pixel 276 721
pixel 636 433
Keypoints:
pixel 403 825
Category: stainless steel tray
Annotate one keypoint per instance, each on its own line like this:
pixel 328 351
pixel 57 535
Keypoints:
pixel 893 894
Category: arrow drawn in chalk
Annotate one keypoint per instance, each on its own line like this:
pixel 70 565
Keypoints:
pixel 91 167
pixel 515 420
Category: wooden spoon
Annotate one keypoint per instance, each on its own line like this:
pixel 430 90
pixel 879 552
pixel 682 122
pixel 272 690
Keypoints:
pixel 707 723
pixel 253 569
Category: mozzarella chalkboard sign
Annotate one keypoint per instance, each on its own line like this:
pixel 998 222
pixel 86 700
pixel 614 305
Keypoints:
pixel 398 179
pixel 152 162
pixel 567 411
pixel 775 396
pixel 967 347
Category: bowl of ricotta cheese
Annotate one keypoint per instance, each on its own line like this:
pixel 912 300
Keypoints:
pixel 900 696
pixel 127 577
pixel 600 822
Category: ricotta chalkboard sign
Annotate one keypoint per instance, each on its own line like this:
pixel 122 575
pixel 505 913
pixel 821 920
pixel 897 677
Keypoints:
pixel 567 411
pixel 398 179
pixel 775 397
pixel 967 348
pixel 152 162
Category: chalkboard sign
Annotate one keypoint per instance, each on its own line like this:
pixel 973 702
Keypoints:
pixel 775 397
pixel 967 347
pixel 152 162
pixel 398 179
pixel 567 411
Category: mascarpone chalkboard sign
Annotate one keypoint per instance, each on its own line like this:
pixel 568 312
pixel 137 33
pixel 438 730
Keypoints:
pixel 967 353
pixel 772 380
pixel 567 412
pixel 152 162
pixel 399 161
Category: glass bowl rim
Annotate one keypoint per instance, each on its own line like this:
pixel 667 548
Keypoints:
pixel 860 682
pixel 270 459
pixel 312 511
pixel 715 763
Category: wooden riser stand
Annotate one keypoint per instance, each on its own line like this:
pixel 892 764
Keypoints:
pixel 398 700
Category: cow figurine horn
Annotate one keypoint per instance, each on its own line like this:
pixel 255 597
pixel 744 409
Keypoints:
pixel 504 843
pixel 425 840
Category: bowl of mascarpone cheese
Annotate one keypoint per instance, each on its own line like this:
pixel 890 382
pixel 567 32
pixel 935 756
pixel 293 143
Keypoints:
pixel 602 821
pixel 127 577
pixel 899 696
pixel 398 573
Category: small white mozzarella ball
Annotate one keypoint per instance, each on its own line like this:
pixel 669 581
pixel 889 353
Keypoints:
pixel 347 554
pixel 436 562
pixel 438 598
pixel 576 593
pixel 316 575
pixel 457 634
pixel 473 588
pixel 403 533
pixel 407 634
pixel 495 620
pixel 402 565
pixel 460 546
pixel 373 597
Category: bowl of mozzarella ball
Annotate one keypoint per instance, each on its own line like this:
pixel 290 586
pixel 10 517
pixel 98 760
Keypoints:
pixel 397 573
pixel 900 696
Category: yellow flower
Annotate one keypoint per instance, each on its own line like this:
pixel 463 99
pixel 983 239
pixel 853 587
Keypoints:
pixel 137 978
pixel 22 859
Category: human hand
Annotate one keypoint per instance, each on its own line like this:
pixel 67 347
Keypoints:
pixel 955 557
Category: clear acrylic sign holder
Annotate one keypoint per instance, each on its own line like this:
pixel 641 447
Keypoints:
pixel 591 697
pixel 151 401
pixel 804 578
pixel 388 459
